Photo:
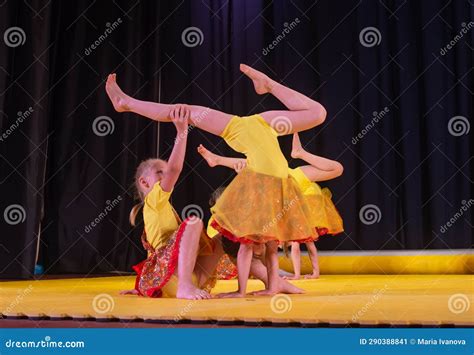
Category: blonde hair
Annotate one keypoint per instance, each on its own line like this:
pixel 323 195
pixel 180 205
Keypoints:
pixel 142 169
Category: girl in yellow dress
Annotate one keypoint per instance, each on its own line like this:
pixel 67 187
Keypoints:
pixel 257 205
pixel 181 257
pixel 324 216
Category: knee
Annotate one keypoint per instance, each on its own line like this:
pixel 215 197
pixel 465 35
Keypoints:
pixel 319 113
pixel 339 169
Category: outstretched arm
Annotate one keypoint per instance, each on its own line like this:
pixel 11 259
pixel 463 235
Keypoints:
pixel 320 169
pixel 179 116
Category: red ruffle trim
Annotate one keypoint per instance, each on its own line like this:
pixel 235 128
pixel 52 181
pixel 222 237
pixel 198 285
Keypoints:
pixel 244 240
pixel 156 291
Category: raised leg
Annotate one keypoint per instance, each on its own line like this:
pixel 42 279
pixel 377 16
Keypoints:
pixel 186 262
pixel 213 159
pixel 313 255
pixel 204 118
pixel 304 113
pixel 320 169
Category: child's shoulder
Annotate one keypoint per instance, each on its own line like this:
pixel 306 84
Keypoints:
pixel 158 194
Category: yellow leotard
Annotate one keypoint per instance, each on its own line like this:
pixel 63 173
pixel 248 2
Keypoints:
pixel 306 185
pixel 324 214
pixel 159 217
pixel 254 137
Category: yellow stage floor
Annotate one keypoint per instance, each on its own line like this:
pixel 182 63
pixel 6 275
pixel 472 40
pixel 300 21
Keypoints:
pixel 432 300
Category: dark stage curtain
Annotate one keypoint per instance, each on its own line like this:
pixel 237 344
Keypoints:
pixel 395 76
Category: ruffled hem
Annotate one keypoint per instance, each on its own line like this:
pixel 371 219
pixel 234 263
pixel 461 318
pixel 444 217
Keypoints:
pixel 247 239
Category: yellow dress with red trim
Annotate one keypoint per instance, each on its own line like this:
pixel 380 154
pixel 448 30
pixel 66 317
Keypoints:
pixel 324 215
pixel 262 203
pixel 162 238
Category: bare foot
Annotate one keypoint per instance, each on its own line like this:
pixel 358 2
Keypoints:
pixel 211 158
pixel 235 294
pixel 191 292
pixel 261 82
pixel 283 286
pixel 128 292
pixel 314 275
pixel 119 99
pixel 296 148
pixel 292 277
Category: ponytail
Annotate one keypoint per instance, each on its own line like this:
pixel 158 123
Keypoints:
pixel 134 213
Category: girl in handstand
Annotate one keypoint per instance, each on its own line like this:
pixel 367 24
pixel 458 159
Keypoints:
pixel 324 216
pixel 181 258
pixel 265 180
